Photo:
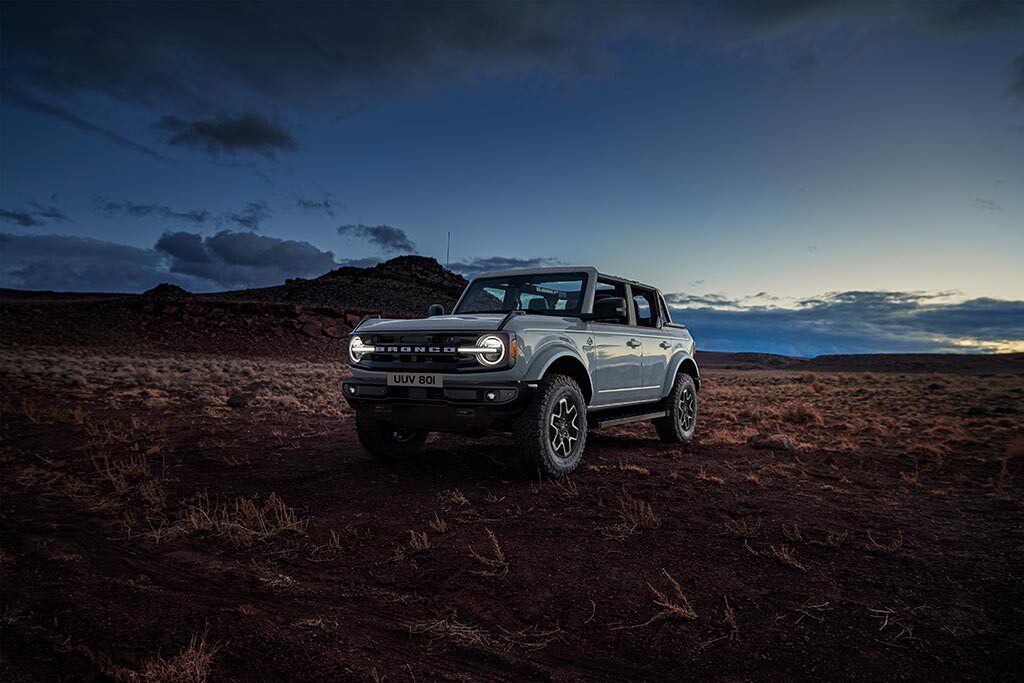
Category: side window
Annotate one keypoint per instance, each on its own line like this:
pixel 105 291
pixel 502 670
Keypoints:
pixel 645 305
pixel 606 289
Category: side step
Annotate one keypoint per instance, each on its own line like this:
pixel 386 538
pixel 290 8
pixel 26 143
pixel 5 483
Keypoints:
pixel 598 421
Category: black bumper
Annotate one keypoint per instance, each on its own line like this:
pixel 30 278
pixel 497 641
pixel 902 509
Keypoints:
pixel 466 409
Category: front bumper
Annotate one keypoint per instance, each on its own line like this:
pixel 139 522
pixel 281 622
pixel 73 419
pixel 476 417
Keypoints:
pixel 465 408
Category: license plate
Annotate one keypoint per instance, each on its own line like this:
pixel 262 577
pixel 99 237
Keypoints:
pixel 414 379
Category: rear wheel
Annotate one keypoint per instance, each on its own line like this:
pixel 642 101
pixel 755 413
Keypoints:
pixel 552 432
pixel 386 441
pixel 681 403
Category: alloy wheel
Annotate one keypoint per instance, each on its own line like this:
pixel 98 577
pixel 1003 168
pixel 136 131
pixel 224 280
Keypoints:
pixel 687 409
pixel 564 426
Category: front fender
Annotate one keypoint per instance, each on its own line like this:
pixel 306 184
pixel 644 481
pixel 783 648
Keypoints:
pixel 552 353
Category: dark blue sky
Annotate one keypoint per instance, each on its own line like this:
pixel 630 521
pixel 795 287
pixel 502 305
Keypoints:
pixel 774 166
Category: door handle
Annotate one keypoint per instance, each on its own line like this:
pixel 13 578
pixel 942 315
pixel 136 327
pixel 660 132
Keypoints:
pixel 665 345
pixel 632 343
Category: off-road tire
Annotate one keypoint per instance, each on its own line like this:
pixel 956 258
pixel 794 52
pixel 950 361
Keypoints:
pixel 534 433
pixel 387 442
pixel 678 426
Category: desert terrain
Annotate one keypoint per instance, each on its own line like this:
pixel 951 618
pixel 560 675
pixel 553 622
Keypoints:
pixel 184 498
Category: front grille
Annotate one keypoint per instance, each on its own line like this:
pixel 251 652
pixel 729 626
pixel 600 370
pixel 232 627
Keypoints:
pixel 426 352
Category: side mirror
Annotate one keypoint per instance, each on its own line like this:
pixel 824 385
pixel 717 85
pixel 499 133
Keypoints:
pixel 612 308
pixel 435 309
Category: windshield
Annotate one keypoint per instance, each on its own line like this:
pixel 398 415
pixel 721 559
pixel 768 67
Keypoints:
pixel 544 293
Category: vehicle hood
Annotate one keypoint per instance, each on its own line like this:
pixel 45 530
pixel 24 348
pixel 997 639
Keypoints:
pixel 472 322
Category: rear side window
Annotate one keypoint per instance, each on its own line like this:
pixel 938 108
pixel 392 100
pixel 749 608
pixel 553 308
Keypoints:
pixel 645 306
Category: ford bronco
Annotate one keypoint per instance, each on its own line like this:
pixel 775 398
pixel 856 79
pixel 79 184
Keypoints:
pixel 543 354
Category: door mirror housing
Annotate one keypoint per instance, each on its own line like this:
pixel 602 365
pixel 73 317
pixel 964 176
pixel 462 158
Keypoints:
pixel 435 309
pixel 613 308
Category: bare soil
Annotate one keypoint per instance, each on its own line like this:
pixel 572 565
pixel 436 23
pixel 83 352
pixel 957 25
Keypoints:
pixel 147 528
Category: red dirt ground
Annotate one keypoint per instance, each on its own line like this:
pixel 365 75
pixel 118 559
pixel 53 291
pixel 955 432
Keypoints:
pixel 900 512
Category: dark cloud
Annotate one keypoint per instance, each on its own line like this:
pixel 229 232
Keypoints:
pixel 388 238
pixel 71 263
pixel 968 16
pixel 108 206
pixel 804 68
pixel 245 133
pixel 251 216
pixel 1017 75
pixel 13 96
pixel 987 204
pixel 327 204
pixel 242 259
pixel 22 218
pixel 473 266
pixel 859 322
pixel 50 213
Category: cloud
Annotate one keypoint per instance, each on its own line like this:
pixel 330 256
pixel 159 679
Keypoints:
pixel 484 264
pixel 860 322
pixel 1017 75
pixel 804 68
pixel 251 216
pixel 242 259
pixel 50 213
pixel 71 263
pixel 987 204
pixel 245 133
pixel 11 95
pixel 388 238
pixel 108 206
pixel 327 204
pixel 39 214
pixel 22 218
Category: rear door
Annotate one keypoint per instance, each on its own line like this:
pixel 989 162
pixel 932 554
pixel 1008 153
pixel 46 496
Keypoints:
pixel 656 343
pixel 615 353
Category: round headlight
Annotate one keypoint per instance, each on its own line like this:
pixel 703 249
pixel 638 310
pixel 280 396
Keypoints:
pixel 491 341
pixel 356 349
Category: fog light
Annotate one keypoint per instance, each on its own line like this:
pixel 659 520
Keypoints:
pixel 351 389
pixel 490 395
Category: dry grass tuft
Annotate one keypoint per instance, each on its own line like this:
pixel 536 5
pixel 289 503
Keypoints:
pixel 891 547
pixel 498 565
pixel 743 528
pixel 702 475
pixel 191 665
pixel 673 607
pixel 785 555
pixel 802 414
pixel 438 524
pixel 418 540
pixel 636 512
pixel 245 520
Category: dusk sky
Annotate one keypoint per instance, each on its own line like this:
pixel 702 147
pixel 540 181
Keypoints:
pixel 799 177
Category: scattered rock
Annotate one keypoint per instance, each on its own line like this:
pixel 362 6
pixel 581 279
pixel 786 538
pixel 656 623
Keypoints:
pixel 312 329
pixel 237 399
pixel 977 409
pixel 215 314
pixel 334 331
pixel 772 442
pixel 935 386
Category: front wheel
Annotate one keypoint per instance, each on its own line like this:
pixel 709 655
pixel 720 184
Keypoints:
pixel 552 432
pixel 681 403
pixel 386 441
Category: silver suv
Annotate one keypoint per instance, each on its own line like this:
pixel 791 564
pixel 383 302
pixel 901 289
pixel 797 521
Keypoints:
pixel 543 353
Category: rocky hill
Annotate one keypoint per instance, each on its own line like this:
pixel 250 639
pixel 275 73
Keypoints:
pixel 405 285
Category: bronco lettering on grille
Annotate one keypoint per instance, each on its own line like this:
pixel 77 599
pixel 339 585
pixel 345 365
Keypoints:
pixel 415 349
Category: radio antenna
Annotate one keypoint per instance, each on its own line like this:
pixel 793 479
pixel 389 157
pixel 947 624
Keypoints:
pixel 448 253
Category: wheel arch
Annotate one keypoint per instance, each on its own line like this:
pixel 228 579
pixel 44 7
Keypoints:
pixel 685 364
pixel 564 362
